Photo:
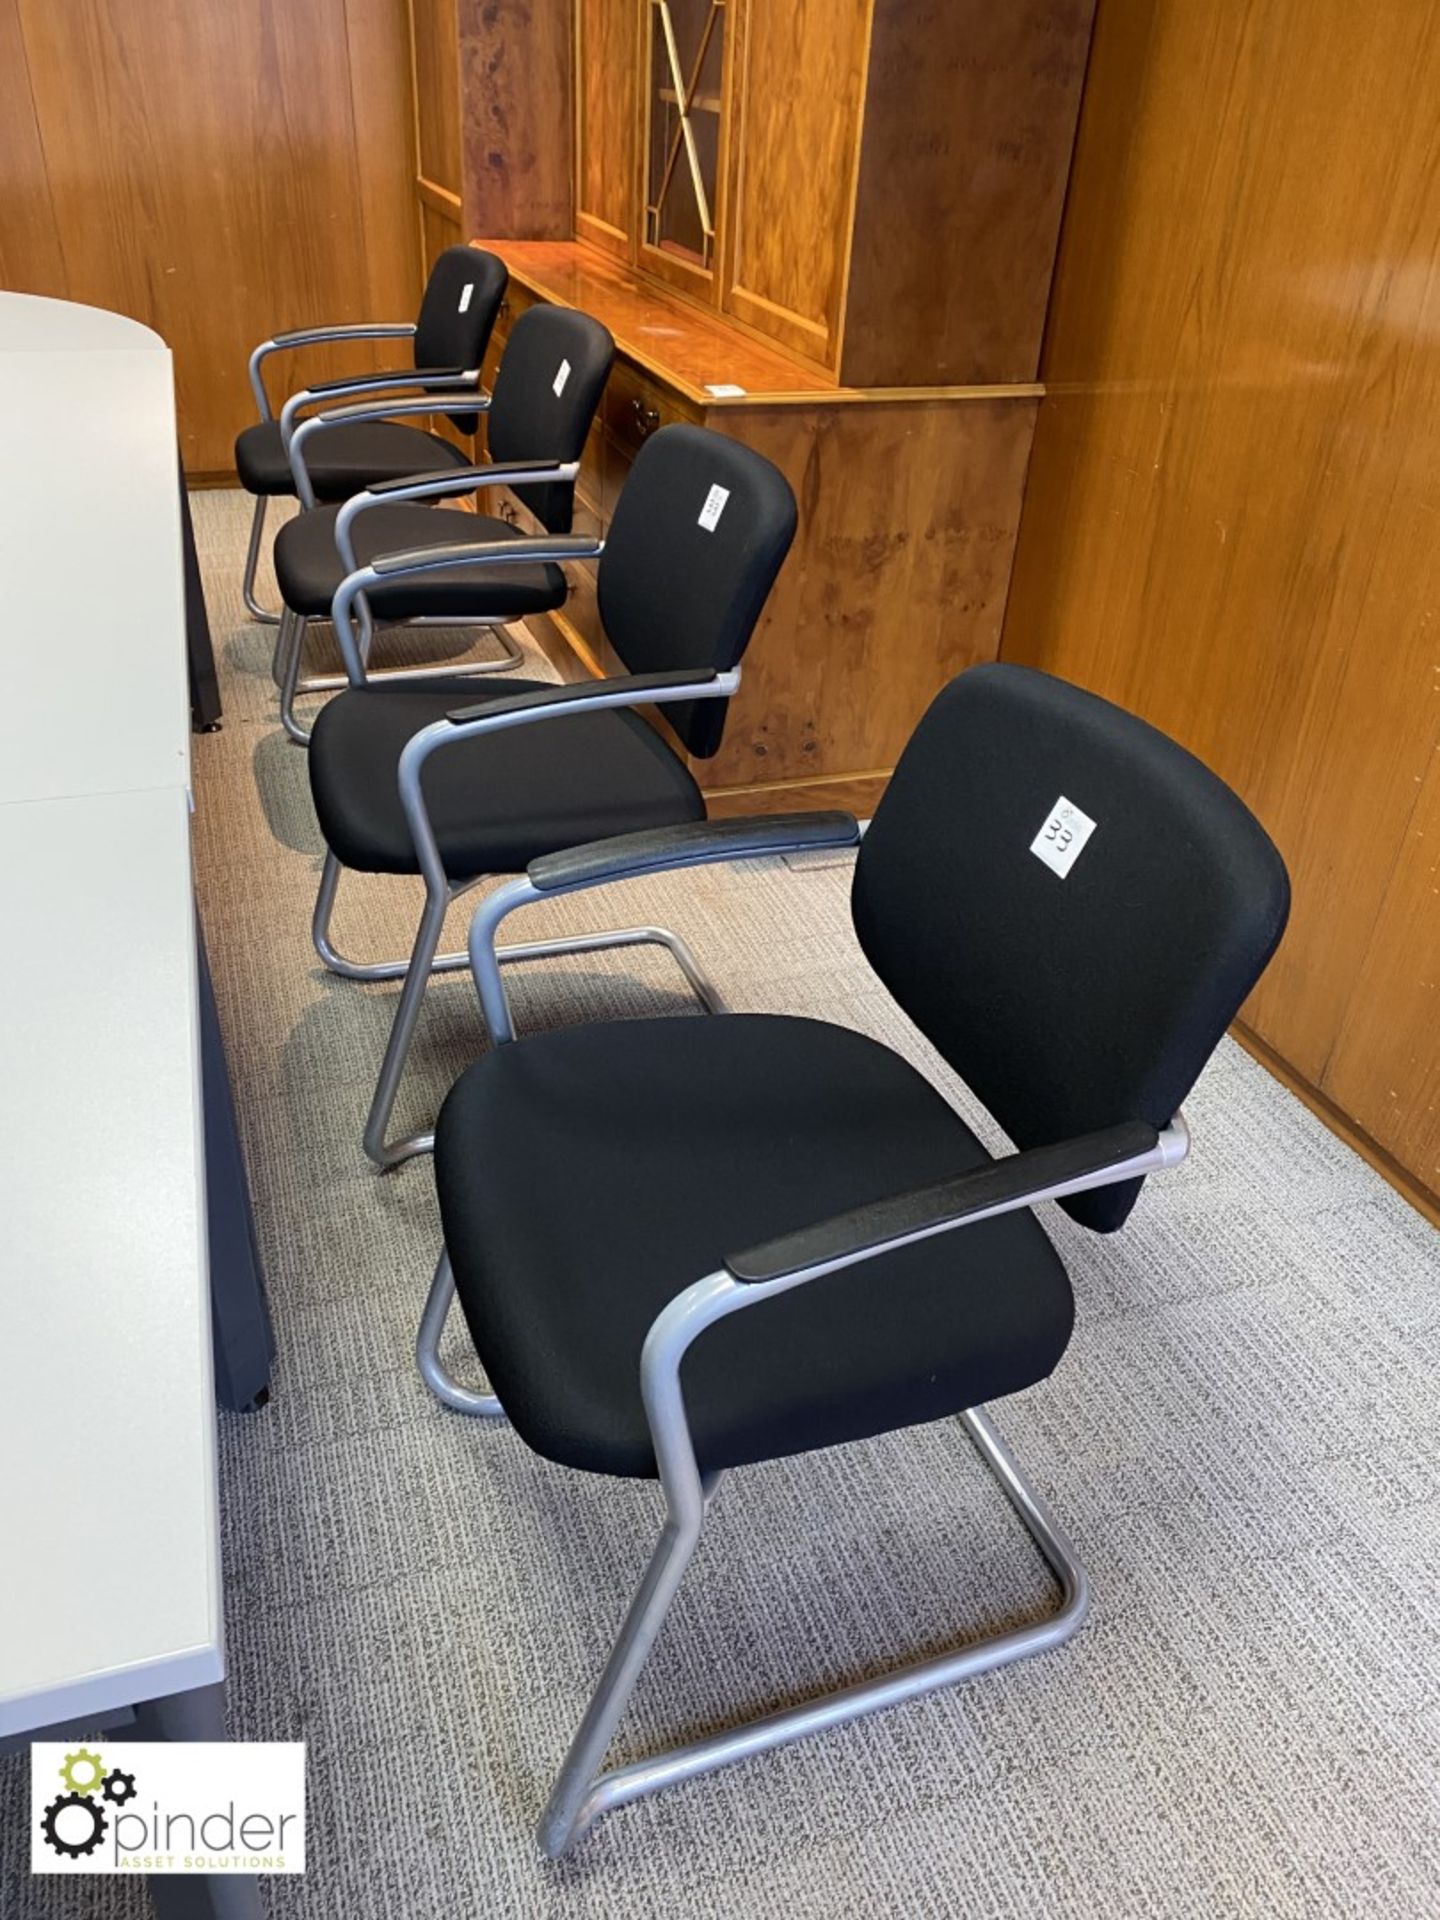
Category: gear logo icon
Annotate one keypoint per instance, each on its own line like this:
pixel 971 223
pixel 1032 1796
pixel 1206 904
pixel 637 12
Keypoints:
pixel 118 1787
pixel 81 1835
pixel 82 1772
pixel 77 1820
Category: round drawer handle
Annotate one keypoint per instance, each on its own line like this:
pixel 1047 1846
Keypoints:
pixel 646 418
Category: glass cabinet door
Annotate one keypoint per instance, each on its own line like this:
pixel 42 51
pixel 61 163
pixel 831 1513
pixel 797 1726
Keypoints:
pixel 682 161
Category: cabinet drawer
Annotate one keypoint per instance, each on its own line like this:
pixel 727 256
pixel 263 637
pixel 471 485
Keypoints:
pixel 633 407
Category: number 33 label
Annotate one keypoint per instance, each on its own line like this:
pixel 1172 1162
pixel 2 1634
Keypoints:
pixel 1062 839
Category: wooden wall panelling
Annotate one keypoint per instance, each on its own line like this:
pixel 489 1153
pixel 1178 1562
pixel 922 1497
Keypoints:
pixel 963 166
pixel 517 118
pixel 382 113
pixel 607 109
pixel 439 228
pixel 31 260
pixel 1384 1070
pixel 216 210
pixel 799 90
pixel 1232 510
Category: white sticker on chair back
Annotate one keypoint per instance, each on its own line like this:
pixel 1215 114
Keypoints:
pixel 1062 839
pixel 561 377
pixel 466 295
pixel 713 508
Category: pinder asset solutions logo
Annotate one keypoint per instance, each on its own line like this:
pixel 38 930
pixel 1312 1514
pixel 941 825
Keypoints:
pixel 158 1807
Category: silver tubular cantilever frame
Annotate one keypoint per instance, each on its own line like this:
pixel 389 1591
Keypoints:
pixel 583 1792
pixel 309 336
pixel 440 889
pixel 290 642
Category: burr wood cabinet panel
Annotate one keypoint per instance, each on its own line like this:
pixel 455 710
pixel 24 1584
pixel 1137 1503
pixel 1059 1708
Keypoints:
pixel 970 111
pixel 516 116
pixel 897 581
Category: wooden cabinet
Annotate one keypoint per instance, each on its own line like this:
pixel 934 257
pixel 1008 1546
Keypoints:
pixel 875 185
pixel 827 228
pixel 909 508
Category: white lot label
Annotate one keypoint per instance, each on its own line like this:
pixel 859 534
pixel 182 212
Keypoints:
pixel 465 296
pixel 561 377
pixel 724 390
pixel 713 508
pixel 1062 839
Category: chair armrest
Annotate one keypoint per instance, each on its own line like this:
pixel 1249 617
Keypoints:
pixel 314 336
pixel 666 849
pixel 446 483
pixel 1123 1152
pixel 494 473
pixel 384 377
pixel 296 435
pixel 460 383
pixel 636 688
pixel 361 330
pixel 535 550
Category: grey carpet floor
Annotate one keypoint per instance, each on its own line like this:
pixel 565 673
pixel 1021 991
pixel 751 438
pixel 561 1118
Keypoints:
pixel 1242 1442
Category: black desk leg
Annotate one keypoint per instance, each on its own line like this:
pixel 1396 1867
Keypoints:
pixel 197 1715
pixel 239 1315
pixel 204 687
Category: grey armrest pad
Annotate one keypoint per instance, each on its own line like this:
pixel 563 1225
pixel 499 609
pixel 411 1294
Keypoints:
pixel 390 377
pixel 356 330
pixel 638 684
pixel 662 848
pixel 525 550
pixel 869 1229
pixel 494 473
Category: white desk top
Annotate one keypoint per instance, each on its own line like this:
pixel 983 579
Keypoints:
pixel 111 1584
pixel 29 323
pixel 95 695
pixel 107 1498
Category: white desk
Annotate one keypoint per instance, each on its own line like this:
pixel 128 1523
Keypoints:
pixel 111 1587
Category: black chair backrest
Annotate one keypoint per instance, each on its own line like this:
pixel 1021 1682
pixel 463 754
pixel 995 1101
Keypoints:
pixel 1074 975
pixel 552 373
pixel 699 533
pixel 462 298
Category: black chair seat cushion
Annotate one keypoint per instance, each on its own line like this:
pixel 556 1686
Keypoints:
pixel 588 1176
pixel 496 803
pixel 309 570
pixel 342 460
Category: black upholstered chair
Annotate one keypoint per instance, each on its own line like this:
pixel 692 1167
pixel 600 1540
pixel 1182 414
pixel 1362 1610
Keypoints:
pixel 547 388
pixel 423 779
pixel 776 1234
pixel 462 298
